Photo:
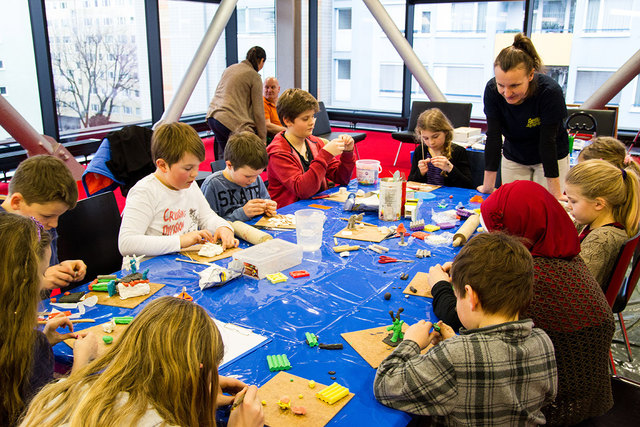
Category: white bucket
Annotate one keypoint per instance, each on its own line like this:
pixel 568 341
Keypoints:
pixel 367 171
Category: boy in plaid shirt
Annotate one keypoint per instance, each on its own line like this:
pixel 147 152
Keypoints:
pixel 500 370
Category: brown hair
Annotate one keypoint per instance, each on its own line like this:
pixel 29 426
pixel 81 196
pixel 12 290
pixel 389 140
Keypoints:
pixel 499 268
pixel 167 359
pixel 294 102
pixel 521 54
pixel 22 247
pixel 434 120
pixel 611 150
pixel 246 149
pixel 43 179
pixel 618 187
pixel 254 55
pixel 171 141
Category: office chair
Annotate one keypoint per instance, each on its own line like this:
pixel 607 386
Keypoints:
pixel 459 114
pixel 322 128
pixel 594 122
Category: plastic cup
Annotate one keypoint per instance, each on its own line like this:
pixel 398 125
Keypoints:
pixel 367 171
pixel 309 227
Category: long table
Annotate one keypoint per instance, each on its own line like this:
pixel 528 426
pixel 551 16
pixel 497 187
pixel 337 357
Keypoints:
pixel 340 295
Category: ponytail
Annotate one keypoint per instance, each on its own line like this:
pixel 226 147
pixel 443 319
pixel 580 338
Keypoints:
pixel 522 51
pixel 254 55
pixel 628 213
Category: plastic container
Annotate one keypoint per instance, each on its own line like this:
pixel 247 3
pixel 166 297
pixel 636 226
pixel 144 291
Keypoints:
pixel 265 258
pixel 390 200
pixel 367 171
pixel 309 228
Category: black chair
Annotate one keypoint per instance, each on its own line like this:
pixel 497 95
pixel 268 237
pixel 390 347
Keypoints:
pixel 322 128
pixel 90 232
pixel 459 114
pixel 217 165
pixel 595 122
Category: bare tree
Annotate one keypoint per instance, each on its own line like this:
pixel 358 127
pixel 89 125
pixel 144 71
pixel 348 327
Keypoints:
pixel 93 69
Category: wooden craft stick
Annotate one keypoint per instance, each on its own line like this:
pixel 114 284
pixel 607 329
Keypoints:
pixel 338 249
pixel 360 222
pixel 42 322
pixel 193 262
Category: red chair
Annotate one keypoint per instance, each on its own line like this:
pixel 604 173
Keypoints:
pixel 622 283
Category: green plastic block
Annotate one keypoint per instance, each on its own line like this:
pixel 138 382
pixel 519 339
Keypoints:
pixel 312 340
pixel 278 362
pixel 125 320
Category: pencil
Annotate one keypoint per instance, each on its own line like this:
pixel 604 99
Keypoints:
pixel 238 401
pixel 360 222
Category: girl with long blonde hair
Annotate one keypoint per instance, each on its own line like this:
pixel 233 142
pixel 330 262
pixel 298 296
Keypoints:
pixel 604 201
pixel 162 371
pixel 436 160
pixel 611 150
pixel 26 358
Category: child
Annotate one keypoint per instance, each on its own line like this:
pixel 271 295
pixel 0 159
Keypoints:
pixel 300 163
pixel 26 358
pixel 162 371
pixel 237 193
pixel 166 211
pixel 500 370
pixel 441 162
pixel 43 188
pixel 611 150
pixel 604 200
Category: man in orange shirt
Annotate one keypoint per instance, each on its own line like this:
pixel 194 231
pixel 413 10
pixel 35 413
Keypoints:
pixel 270 97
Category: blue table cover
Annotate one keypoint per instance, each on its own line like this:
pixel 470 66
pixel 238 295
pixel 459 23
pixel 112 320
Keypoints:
pixel 340 295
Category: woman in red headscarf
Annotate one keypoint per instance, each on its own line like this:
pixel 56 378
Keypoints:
pixel 567 303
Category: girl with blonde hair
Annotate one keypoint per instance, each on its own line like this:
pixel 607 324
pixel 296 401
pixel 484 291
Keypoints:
pixel 162 371
pixel 437 161
pixel 604 201
pixel 26 358
pixel 611 150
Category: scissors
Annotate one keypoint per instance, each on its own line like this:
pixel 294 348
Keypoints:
pixel 387 259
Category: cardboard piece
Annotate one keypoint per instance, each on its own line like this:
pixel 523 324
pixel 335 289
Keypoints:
pixel 192 253
pixel 115 301
pixel 419 186
pixel 266 221
pixel 367 233
pixel 421 283
pixel 337 197
pixel 368 343
pixel 318 414
pixel 99 332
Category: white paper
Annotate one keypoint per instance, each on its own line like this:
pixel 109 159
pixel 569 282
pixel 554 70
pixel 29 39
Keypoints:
pixel 237 340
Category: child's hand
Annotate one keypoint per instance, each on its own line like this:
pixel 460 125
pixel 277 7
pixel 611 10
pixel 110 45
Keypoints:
pixel 85 350
pixel 272 207
pixel 228 385
pixel 423 166
pixel 334 147
pixel 249 412
pixel 194 237
pixel 79 268
pixel 445 333
pixel 438 273
pixel 254 207
pixel 420 333
pixel 53 336
pixel 60 275
pixel 225 234
pixel 349 143
pixel 443 163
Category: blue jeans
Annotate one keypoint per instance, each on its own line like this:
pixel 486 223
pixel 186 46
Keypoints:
pixel 221 134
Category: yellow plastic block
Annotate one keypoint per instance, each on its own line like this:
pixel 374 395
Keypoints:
pixel 431 227
pixel 276 278
pixel 333 393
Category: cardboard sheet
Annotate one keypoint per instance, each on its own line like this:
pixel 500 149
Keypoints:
pixel 337 197
pixel 115 301
pixel 419 186
pixel 192 252
pixel 421 284
pixel 367 234
pixel 368 344
pixel 319 413
pixel 271 222
pixel 99 332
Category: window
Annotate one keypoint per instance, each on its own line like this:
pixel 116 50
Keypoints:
pixel 259 30
pixel 87 91
pixel 608 16
pixel 557 16
pixel 391 78
pixel 344 69
pixel 636 102
pixel 425 26
pixel 588 81
pixel 182 26
pixel 467 17
pixel 344 19
pixel 18 63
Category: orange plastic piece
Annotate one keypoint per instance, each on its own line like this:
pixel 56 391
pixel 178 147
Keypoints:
pixel 401 228
pixel 64 313
pixel 420 235
pixel 476 199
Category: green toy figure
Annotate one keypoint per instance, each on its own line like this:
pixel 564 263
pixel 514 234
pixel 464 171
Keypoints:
pixel 397 336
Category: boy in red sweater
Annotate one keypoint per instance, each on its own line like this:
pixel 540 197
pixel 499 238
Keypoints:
pixel 300 163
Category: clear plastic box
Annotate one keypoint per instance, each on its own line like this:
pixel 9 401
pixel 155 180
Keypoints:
pixel 265 258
